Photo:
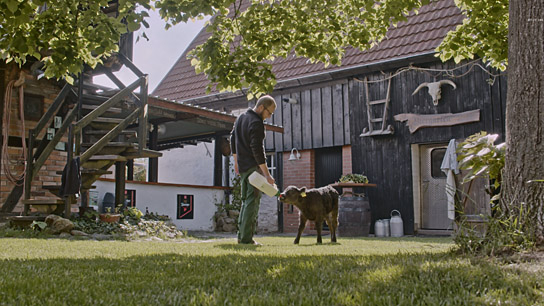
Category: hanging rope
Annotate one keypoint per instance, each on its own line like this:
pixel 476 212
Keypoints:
pixel 6 162
pixel 448 72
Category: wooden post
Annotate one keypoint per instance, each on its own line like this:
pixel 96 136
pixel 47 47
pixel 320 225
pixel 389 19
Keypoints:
pixel 130 170
pixel 120 183
pixel 69 151
pixel 217 165
pixel 142 120
pixel 153 175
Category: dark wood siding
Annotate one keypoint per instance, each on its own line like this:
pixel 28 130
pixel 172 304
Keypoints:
pixel 319 119
pixel 386 160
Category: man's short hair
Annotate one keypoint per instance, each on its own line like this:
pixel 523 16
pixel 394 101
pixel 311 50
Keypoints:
pixel 266 101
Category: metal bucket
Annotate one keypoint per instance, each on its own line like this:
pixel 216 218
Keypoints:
pixel 353 216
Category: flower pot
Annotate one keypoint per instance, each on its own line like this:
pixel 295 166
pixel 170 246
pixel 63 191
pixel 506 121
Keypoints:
pixel 110 218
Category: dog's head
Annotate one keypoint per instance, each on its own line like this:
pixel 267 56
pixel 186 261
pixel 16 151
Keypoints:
pixel 293 194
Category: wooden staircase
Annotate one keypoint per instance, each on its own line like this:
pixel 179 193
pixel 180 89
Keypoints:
pixel 103 128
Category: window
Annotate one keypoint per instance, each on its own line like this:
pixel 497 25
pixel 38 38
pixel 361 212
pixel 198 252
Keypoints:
pixel 271 164
pixel 437 155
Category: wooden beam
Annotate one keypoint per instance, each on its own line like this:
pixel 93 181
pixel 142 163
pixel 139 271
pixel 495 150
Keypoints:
pixel 120 181
pixel 202 112
pixel 217 163
pixel 153 175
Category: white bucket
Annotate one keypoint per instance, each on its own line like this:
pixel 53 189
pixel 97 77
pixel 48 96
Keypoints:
pixel 260 182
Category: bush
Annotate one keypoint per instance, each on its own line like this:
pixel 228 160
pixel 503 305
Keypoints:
pixel 503 232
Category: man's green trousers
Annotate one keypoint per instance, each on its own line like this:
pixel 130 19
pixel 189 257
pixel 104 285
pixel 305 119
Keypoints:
pixel 251 199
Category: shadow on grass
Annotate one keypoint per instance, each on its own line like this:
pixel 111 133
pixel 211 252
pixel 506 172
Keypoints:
pixel 242 278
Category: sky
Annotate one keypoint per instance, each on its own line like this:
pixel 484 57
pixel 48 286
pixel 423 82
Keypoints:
pixel 156 56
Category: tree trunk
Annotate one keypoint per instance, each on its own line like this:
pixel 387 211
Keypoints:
pixel 525 114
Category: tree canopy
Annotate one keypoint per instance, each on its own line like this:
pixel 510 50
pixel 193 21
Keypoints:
pixel 65 34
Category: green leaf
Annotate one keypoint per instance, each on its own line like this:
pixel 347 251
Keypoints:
pixel 12 5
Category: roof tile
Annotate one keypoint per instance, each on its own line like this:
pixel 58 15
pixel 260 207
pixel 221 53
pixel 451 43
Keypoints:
pixel 421 33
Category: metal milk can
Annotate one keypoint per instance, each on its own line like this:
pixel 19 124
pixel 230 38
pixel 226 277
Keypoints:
pixel 379 228
pixel 397 227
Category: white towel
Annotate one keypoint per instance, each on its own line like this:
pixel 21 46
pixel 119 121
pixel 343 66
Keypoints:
pixel 449 167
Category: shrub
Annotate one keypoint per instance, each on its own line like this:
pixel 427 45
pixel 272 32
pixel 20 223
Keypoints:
pixel 503 232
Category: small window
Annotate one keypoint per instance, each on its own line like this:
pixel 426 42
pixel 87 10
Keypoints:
pixel 437 155
pixel 271 164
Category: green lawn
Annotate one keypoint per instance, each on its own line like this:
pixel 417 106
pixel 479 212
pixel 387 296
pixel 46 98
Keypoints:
pixel 362 271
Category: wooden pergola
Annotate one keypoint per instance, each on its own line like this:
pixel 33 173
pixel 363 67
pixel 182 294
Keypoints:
pixel 176 124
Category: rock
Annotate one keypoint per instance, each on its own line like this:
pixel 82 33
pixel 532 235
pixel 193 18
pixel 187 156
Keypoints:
pixel 51 218
pixel 65 235
pixel 229 227
pixel 234 213
pixel 140 233
pixel 101 236
pixel 223 214
pixel 59 224
pixel 229 221
pixel 78 233
pixel 219 223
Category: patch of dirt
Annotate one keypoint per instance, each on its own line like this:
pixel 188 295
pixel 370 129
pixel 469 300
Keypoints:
pixel 528 261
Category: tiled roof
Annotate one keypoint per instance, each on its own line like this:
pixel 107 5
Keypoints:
pixel 419 35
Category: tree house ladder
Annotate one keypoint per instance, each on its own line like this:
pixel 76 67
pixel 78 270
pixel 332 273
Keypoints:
pixel 384 130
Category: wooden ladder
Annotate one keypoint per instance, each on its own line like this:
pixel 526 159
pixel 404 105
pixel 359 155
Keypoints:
pixel 384 130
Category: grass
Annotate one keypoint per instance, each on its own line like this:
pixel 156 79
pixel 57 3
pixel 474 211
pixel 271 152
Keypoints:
pixel 359 271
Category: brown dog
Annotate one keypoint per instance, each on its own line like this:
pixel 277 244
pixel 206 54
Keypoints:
pixel 315 205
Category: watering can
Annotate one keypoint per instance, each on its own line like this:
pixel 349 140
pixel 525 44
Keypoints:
pixel 397 227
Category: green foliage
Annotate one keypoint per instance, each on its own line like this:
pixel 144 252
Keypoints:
pixel 484 33
pixel 10 232
pixel 243 42
pixel 38 225
pixel 133 213
pixel 235 202
pixel 353 178
pixel 95 226
pixel 65 35
pixel 503 234
pixel 479 154
pixel 505 230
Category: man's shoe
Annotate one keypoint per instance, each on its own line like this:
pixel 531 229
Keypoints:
pixel 252 242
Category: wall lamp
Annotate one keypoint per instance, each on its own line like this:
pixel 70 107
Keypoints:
pixel 293 157
pixel 290 100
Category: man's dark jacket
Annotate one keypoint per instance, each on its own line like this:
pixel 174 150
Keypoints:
pixel 247 140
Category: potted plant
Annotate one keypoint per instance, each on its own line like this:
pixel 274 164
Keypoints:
pixel 111 216
pixel 354 178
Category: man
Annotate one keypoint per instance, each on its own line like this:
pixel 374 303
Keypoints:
pixel 247 145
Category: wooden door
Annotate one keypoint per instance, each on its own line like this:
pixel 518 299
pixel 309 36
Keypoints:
pixel 328 166
pixel 434 205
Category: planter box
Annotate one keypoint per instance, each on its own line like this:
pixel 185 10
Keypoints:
pixel 109 218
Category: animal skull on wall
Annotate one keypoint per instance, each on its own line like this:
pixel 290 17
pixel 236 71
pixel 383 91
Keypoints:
pixel 434 89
